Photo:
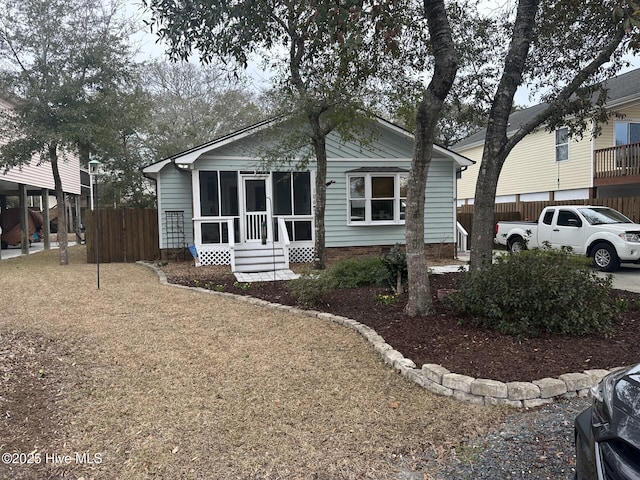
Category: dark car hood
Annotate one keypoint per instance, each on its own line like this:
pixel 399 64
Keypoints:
pixel 627 393
pixel 625 419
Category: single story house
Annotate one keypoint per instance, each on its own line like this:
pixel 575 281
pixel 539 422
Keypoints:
pixel 235 210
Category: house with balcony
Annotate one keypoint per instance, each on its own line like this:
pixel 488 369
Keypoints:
pixel 552 166
pixel 32 186
pixel 236 210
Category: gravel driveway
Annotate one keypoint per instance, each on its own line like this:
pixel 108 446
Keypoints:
pixel 533 445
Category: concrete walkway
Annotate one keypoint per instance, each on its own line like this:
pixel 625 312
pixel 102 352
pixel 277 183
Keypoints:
pixel 13 252
pixel 271 276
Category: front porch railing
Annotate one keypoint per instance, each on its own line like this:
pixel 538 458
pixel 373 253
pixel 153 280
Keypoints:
pixel 253 225
pixel 228 242
pixel 462 236
pixel 232 242
pixel 620 161
pixel 283 236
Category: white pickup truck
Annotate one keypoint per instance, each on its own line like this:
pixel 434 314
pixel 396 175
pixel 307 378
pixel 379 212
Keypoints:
pixel 601 233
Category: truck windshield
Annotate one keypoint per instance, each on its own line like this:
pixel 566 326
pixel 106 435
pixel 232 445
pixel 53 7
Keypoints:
pixel 599 216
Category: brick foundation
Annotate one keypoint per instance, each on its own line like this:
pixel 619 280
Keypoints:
pixel 432 251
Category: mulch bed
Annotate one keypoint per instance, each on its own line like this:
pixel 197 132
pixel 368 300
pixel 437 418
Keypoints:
pixel 440 338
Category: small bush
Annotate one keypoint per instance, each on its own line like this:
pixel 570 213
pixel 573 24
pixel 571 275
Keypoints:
pixel 535 292
pixel 310 288
pixel 358 272
pixel 395 264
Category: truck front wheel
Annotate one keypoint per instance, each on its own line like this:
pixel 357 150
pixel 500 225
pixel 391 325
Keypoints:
pixel 605 258
pixel 516 244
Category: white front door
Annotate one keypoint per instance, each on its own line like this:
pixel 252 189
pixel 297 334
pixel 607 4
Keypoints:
pixel 256 222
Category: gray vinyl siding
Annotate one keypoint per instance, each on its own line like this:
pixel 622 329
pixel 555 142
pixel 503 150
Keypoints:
pixel 208 162
pixel 439 220
pixel 381 144
pixel 174 194
pixel 387 148
pixel 246 148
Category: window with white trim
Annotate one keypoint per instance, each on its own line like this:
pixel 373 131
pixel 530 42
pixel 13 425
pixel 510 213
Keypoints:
pixel 562 144
pixel 627 133
pixel 376 198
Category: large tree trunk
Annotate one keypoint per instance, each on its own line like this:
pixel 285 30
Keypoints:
pixel 483 209
pixel 495 147
pixel 419 301
pixel 62 211
pixel 320 149
pixel 446 66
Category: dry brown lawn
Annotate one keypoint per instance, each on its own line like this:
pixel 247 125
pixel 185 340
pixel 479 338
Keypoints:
pixel 152 381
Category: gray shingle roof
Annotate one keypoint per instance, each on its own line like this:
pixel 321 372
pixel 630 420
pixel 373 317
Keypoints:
pixel 620 88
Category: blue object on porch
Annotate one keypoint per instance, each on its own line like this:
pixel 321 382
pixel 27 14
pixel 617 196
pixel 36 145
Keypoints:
pixel 194 254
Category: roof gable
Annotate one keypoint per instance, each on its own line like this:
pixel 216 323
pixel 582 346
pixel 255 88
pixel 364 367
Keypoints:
pixel 383 140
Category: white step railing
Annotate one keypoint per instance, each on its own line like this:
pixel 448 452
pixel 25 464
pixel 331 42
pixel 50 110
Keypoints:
pixel 283 236
pixel 462 238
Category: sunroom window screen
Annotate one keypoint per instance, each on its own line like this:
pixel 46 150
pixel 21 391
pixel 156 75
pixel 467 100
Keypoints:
pixel 292 193
pixel 218 197
pixel 282 193
pixel 302 193
pixel 229 193
pixel 209 203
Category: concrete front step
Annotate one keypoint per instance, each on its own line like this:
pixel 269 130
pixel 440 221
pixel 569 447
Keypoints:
pixel 265 276
pixel 259 258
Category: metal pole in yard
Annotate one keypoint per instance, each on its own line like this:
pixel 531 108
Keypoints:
pixel 94 169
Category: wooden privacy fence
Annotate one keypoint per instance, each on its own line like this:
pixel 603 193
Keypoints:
pixel 126 235
pixel 629 206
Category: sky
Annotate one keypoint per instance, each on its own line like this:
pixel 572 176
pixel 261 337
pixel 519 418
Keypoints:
pixel 151 49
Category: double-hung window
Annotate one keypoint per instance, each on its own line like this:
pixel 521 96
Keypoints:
pixel 627 133
pixel 377 197
pixel 562 144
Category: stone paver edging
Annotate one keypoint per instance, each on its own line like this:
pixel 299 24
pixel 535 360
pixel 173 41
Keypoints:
pixel 437 379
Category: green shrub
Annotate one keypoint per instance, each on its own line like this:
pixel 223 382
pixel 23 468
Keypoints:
pixel 395 264
pixel 310 288
pixel 535 292
pixel 358 272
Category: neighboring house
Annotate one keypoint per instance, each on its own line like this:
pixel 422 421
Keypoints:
pixel 547 166
pixel 36 178
pixel 221 198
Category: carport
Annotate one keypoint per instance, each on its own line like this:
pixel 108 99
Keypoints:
pixel 31 188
